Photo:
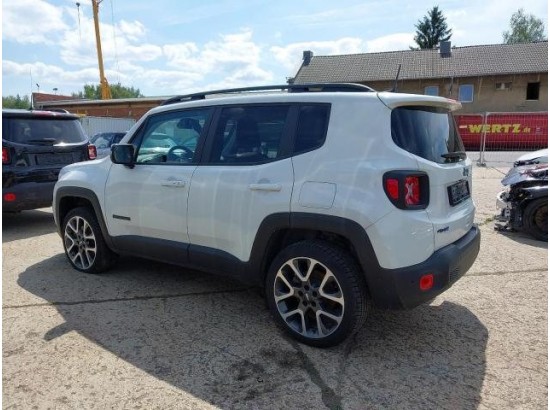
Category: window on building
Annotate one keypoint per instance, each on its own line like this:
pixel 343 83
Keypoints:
pixel 503 86
pixel 466 93
pixel 431 90
pixel 533 91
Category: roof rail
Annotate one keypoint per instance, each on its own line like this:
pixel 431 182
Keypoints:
pixel 292 88
pixel 62 110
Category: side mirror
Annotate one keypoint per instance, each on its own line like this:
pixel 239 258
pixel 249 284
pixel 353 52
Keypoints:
pixel 123 154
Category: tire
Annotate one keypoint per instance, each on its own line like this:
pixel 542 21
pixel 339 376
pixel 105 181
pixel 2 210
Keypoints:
pixel 535 219
pixel 317 293
pixel 83 242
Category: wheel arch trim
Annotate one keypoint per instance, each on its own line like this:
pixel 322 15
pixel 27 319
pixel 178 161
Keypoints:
pixel 88 195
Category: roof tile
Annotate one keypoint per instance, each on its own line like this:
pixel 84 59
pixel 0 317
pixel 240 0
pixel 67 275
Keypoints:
pixel 497 59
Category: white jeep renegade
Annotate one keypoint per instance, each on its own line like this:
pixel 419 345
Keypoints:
pixel 332 197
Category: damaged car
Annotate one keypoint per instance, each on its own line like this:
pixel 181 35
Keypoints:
pixel 523 204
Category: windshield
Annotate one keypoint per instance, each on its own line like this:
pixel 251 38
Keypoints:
pixel 428 132
pixel 45 131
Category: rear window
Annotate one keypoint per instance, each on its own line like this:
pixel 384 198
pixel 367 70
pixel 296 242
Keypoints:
pixel 44 131
pixel 428 132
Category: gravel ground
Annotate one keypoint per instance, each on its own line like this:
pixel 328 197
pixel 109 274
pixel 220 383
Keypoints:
pixel 154 336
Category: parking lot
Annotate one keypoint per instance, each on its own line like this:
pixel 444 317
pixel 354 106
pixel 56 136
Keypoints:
pixel 149 335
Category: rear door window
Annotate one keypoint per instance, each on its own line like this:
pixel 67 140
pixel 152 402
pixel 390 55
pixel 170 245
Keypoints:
pixel 45 131
pixel 427 132
pixel 249 134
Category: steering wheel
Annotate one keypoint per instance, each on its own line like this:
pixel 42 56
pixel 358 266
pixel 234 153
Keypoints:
pixel 179 153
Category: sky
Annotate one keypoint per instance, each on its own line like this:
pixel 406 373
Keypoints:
pixel 169 47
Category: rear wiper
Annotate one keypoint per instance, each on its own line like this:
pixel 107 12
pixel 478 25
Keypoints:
pixel 45 141
pixel 454 156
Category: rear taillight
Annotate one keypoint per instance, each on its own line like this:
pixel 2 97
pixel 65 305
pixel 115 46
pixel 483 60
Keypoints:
pixel 5 155
pixel 92 151
pixel 407 189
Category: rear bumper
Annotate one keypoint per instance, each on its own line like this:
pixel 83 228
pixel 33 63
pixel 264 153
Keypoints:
pixel 402 286
pixel 28 195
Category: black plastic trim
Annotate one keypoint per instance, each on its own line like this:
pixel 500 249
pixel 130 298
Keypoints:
pixel 90 196
pixel 160 250
pixel 294 88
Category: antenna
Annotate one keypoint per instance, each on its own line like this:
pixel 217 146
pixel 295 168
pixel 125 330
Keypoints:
pixel 79 31
pixel 394 89
pixel 32 95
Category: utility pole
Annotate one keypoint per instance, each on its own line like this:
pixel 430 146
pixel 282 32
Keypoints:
pixel 105 89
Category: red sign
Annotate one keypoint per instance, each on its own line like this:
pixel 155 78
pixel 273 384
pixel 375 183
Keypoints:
pixel 507 131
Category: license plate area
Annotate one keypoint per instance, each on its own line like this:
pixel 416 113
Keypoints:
pixel 60 158
pixel 458 192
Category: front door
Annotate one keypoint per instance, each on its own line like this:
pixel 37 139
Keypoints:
pixel 149 201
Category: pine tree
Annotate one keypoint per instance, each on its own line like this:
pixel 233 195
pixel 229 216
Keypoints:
pixel 432 29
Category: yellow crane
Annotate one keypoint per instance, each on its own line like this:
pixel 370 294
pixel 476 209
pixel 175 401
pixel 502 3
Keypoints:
pixel 105 89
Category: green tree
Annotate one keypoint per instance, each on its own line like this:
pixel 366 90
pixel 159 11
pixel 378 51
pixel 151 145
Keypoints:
pixel 16 101
pixel 432 29
pixel 524 28
pixel 93 92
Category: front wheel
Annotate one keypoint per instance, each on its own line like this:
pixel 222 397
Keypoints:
pixel 83 242
pixel 535 219
pixel 316 292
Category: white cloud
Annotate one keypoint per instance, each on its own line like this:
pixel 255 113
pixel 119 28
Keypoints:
pixel 31 21
pixel 118 43
pixel 393 42
pixel 134 31
pixel 50 76
pixel 290 56
pixel 235 57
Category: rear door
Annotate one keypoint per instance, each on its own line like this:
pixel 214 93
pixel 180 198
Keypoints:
pixel 247 175
pixel 428 131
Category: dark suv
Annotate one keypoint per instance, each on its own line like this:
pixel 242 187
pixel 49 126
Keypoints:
pixel 35 146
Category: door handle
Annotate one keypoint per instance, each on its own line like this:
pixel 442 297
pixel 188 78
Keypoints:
pixel 265 187
pixel 174 183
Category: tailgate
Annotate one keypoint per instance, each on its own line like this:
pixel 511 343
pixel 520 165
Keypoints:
pixel 451 208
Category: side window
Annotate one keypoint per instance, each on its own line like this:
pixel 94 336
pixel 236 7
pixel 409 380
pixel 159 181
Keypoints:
pixel 172 138
pixel 249 134
pixel 312 127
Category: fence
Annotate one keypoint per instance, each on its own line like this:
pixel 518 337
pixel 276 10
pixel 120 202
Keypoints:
pixel 93 125
pixel 494 134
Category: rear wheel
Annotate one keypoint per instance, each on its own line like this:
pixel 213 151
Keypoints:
pixel 316 292
pixel 83 242
pixel 535 219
